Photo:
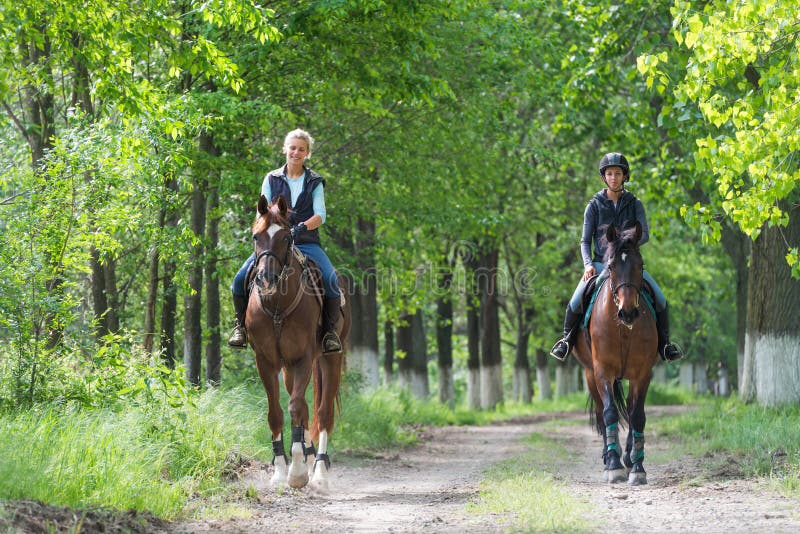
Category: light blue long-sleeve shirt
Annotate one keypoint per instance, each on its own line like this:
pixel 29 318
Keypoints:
pixel 296 187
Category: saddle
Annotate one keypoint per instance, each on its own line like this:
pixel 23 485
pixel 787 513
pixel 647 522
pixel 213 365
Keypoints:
pixel 311 279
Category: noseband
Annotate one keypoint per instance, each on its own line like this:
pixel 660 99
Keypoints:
pixel 617 287
pixel 284 264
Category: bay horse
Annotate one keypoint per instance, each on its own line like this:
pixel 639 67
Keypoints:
pixel 622 343
pixel 282 321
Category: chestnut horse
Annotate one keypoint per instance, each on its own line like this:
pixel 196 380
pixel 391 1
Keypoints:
pixel 624 345
pixel 282 321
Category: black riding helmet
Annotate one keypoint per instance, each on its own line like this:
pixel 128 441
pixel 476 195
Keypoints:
pixel 614 159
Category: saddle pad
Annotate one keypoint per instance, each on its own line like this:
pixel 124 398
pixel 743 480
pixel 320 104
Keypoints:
pixel 645 292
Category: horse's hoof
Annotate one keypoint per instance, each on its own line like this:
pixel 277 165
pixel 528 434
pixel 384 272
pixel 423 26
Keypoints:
pixel 320 486
pixel 298 481
pixel 616 476
pixel 637 479
pixel 278 480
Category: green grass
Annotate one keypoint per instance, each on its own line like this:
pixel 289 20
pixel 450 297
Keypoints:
pixel 764 441
pixel 144 458
pixel 529 499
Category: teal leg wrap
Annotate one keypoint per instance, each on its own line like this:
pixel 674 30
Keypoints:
pixel 612 438
pixel 637 454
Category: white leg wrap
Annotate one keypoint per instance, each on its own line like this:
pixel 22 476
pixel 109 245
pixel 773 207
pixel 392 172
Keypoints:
pixel 320 477
pixel 279 475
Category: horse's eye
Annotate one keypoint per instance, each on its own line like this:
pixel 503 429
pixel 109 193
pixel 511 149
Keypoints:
pixel 255 236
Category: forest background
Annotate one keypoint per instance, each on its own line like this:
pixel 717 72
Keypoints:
pixel 460 142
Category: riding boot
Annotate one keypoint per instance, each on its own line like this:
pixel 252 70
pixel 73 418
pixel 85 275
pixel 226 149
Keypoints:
pixel 331 344
pixel 668 351
pixel 562 347
pixel 238 337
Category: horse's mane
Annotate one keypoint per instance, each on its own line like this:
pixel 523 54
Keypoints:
pixel 626 240
pixel 272 216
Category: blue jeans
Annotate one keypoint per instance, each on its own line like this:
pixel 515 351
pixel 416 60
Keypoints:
pixel 312 251
pixel 577 296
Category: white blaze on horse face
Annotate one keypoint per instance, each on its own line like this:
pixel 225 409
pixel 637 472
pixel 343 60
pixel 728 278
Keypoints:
pixel 624 256
pixel 273 229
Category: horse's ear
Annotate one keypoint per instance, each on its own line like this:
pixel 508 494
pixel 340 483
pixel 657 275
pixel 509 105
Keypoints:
pixel 611 233
pixel 638 227
pixel 263 205
pixel 283 207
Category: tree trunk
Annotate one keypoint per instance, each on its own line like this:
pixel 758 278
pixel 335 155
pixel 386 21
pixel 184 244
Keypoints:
pixel 152 282
pixel 388 351
pixel 444 339
pixel 543 375
pixel 169 312
pixel 99 302
pixel 112 294
pixel 522 369
pixel 213 348
pixel 412 369
pixel 563 379
pixel 491 358
pixel 737 246
pixel 192 302
pixel 772 343
pixel 473 339
pixel 170 307
pixel 150 304
pixel 367 347
pixel 37 126
pixel 38 107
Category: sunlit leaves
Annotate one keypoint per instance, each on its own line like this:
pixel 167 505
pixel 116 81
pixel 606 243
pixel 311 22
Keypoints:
pixel 743 76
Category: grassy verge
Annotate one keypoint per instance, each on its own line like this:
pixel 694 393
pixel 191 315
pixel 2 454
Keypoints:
pixel 764 441
pixel 147 457
pixel 529 499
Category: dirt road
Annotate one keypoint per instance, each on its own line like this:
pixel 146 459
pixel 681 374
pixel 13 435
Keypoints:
pixel 426 488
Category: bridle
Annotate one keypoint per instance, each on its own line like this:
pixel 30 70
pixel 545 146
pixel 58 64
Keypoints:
pixel 283 264
pixel 616 287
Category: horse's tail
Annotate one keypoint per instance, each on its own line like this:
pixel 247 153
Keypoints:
pixel 320 386
pixel 620 403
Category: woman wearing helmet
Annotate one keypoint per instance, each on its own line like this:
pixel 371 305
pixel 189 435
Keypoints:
pixel 612 205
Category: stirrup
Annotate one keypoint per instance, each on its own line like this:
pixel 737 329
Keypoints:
pixel 331 344
pixel 678 352
pixel 558 344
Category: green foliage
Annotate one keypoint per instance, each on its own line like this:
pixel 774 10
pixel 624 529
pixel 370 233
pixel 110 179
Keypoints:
pixel 738 69
pixel 152 456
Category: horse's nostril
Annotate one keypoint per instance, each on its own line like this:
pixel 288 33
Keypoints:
pixel 628 317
